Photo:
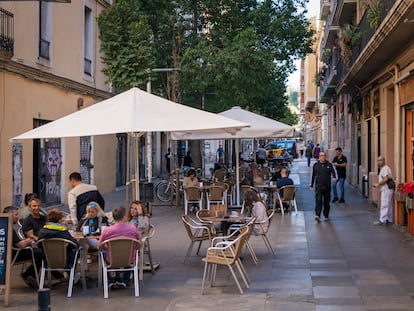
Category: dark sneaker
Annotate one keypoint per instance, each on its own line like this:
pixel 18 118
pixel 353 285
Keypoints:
pixel 29 280
pixel 334 200
pixel 341 201
pixel 112 284
pixel 379 223
pixel 317 218
pixel 389 222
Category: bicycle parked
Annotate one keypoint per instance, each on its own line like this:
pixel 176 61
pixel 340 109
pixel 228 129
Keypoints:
pixel 167 189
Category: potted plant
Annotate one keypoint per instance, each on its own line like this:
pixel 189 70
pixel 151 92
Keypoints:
pixel 373 8
pixel 326 55
pixel 350 34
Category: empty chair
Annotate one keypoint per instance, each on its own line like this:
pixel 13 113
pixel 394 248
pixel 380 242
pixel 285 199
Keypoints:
pixel 23 263
pixel 146 249
pixel 261 228
pixel 55 251
pixel 226 253
pixel 216 195
pixel 214 227
pixel 286 195
pixel 123 256
pixel 250 224
pixel 197 232
pixel 220 174
pixel 192 195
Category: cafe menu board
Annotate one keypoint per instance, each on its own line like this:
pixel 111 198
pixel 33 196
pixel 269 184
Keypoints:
pixel 5 254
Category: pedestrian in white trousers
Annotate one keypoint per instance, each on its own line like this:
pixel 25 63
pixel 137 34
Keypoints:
pixel 386 208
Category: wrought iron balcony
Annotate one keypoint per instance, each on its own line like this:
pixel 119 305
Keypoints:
pixel 367 31
pixel 6 32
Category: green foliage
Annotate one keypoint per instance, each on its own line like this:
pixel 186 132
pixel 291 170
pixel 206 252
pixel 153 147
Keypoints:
pixel 231 52
pixel 373 12
pixel 125 49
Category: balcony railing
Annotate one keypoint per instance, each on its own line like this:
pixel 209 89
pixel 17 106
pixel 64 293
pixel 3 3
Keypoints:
pixel 6 31
pixel 367 31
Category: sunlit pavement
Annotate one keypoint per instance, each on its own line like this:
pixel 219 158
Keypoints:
pixel 344 264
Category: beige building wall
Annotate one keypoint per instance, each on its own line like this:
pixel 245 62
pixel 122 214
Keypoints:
pixel 35 88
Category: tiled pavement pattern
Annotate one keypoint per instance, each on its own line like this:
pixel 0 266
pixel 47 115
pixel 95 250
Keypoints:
pixel 345 264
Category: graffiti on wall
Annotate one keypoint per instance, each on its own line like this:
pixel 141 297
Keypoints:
pixel 17 155
pixel 52 165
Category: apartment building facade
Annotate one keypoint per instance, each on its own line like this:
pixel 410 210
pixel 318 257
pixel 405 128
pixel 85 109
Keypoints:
pixel 366 65
pixel 50 66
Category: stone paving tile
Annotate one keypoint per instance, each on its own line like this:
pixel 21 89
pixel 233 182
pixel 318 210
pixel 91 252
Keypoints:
pixel 337 292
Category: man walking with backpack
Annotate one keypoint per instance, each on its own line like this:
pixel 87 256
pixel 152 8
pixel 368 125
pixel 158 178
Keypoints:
pixel 80 195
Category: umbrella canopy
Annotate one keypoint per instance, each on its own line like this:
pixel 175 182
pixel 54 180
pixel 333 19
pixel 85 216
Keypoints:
pixel 259 127
pixel 133 111
pixel 130 112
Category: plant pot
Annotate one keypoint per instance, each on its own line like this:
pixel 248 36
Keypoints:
pixel 347 40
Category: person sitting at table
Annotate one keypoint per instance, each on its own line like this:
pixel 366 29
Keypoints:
pixel 256 207
pixel 138 216
pixel 276 175
pixel 191 179
pixel 29 275
pixel 54 228
pixel 24 210
pixel 94 218
pixel 285 180
pixel 35 221
pixel 120 229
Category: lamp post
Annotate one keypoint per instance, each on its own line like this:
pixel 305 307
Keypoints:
pixel 149 135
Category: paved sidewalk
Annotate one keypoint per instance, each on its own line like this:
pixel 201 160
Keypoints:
pixel 344 264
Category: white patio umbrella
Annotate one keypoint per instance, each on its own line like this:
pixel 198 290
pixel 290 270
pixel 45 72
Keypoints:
pixel 133 112
pixel 260 127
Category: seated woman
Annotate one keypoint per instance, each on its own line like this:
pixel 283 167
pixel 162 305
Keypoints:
pixel 138 216
pixel 191 179
pixel 256 207
pixel 94 218
pixel 54 228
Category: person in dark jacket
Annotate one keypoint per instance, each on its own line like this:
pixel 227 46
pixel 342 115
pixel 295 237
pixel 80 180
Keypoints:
pixel 321 177
pixel 55 229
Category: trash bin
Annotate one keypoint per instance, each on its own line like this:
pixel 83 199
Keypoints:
pixel 146 192
pixel 365 191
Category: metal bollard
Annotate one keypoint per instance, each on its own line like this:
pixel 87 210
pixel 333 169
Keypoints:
pixel 43 296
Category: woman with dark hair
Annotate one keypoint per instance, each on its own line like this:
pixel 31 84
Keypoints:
pixel 191 179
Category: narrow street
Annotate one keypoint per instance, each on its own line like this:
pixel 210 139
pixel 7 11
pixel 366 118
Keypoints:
pixel 344 264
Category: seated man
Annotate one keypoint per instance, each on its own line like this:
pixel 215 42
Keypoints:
pixel 29 276
pixel 284 180
pixel 35 221
pixel 120 229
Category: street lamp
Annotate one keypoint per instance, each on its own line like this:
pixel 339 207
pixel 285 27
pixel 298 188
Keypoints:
pixel 149 135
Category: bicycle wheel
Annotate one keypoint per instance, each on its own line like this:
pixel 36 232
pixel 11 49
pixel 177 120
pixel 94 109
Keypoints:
pixel 163 191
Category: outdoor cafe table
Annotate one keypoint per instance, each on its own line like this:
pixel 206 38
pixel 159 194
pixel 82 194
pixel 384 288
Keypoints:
pixel 233 219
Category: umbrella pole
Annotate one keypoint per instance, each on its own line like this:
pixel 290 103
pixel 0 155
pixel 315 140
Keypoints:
pixel 237 148
pixel 136 159
pixel 127 175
